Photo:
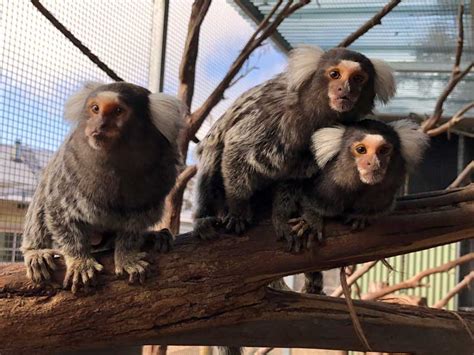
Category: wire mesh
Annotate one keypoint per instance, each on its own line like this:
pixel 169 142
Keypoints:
pixel 39 69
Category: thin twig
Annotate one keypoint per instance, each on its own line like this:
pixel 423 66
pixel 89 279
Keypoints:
pixel 457 117
pixel 75 41
pixel 374 21
pixel 460 41
pixel 455 290
pixel 415 281
pixel 358 273
pixel 461 177
pixel 350 305
pixel 243 75
pixel 456 76
pixel 263 351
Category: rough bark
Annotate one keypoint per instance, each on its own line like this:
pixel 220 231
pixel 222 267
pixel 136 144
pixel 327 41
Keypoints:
pixel 202 293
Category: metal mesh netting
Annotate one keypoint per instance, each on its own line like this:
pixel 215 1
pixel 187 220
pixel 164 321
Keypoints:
pixel 416 36
pixel 39 69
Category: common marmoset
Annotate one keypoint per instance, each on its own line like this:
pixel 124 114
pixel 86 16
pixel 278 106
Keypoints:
pixel 264 136
pixel 111 174
pixel 362 167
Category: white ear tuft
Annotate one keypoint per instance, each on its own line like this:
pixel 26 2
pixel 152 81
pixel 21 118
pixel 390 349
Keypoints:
pixel 167 115
pixel 326 144
pixel 75 103
pixel 385 86
pixel 302 64
pixel 413 140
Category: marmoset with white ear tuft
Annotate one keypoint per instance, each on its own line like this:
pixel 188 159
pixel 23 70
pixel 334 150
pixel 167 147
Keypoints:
pixel 363 166
pixel 264 136
pixel 111 174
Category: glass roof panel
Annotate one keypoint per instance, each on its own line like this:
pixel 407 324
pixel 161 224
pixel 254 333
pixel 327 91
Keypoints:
pixel 418 38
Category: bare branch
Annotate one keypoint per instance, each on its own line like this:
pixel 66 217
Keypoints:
pixel 374 21
pixel 75 41
pixel 263 351
pixel 460 41
pixel 174 200
pixel 446 127
pixel 350 305
pixel 359 272
pixel 415 281
pixel 187 68
pixel 458 288
pixel 243 75
pixel 456 76
pixel 463 176
pixel 263 32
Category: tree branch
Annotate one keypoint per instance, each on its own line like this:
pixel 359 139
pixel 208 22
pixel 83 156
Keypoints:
pixel 415 281
pixel 374 21
pixel 174 200
pixel 202 292
pixel 446 127
pixel 265 30
pixel 75 41
pixel 463 176
pixel 361 271
pixel 187 68
pixel 458 288
pixel 456 76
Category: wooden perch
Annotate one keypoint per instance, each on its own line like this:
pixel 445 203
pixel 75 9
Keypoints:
pixel 213 293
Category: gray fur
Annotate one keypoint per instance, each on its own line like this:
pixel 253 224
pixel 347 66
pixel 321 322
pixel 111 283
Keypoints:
pixel 265 136
pixel 413 141
pixel 85 191
pixel 337 189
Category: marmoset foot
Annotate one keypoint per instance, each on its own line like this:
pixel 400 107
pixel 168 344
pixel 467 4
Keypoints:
pixel 80 272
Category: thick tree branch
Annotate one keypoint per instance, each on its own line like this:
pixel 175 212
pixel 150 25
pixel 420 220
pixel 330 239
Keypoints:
pixel 415 281
pixel 174 200
pixel 374 21
pixel 202 292
pixel 455 290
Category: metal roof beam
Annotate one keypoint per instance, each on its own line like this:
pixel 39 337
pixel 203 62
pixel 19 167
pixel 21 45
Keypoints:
pixel 369 10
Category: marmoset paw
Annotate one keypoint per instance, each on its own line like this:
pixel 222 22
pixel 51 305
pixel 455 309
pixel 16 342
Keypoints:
pixel 235 224
pixel 81 272
pixel 303 235
pixel 162 240
pixel 133 264
pixel 39 264
pixel 205 227
pixel 357 223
